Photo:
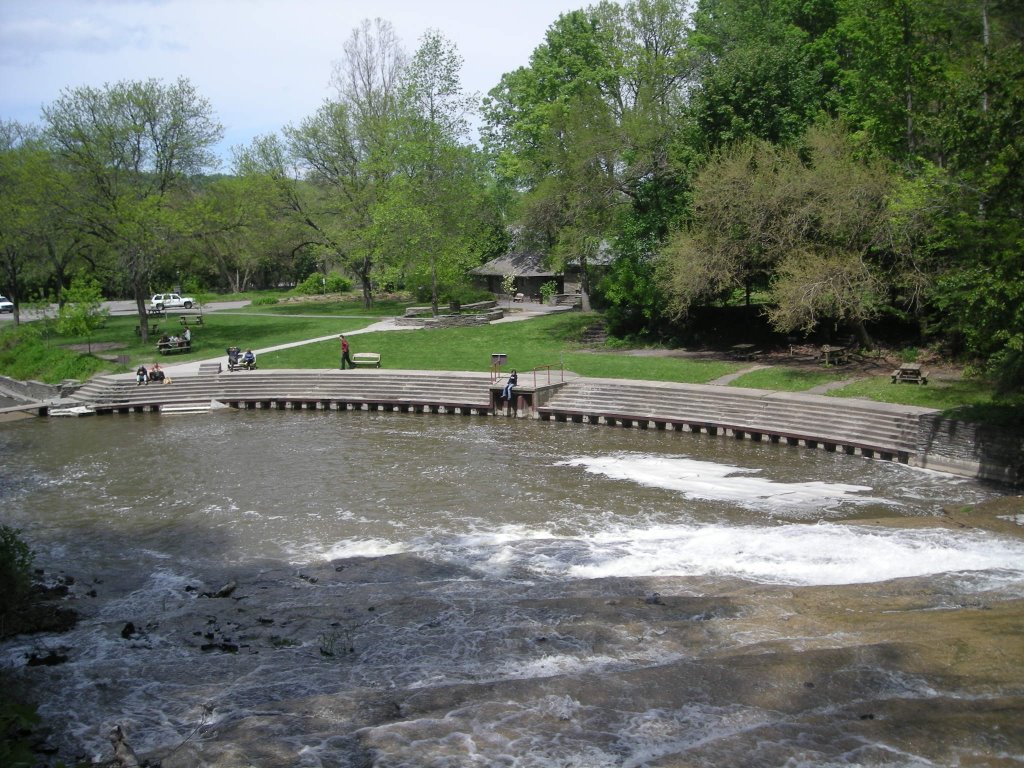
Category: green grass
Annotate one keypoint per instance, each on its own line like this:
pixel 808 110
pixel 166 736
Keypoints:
pixel 323 308
pixel 544 341
pixel 942 395
pixel 31 352
pixel 782 379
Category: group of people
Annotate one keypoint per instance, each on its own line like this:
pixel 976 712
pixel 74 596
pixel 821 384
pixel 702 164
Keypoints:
pixel 238 360
pixel 176 341
pixel 154 373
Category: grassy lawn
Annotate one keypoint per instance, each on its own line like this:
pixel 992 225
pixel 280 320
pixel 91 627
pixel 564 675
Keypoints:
pixel 531 344
pixel 323 308
pixel 31 354
pixel 783 379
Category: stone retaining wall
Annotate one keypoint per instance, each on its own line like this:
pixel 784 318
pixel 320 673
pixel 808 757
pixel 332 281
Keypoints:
pixel 965 448
pixel 451 321
pixel 32 391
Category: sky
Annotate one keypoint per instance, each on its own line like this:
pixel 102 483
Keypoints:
pixel 262 64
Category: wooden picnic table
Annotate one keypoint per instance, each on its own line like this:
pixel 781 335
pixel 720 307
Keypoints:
pixel 832 355
pixel 744 351
pixel 174 347
pixel 910 373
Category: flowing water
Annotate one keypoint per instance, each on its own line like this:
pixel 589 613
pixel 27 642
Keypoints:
pixel 412 590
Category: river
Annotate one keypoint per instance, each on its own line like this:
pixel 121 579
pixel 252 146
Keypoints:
pixel 417 590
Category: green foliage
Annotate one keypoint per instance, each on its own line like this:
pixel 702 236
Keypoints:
pixel 15 569
pixel 264 301
pixel 17 720
pixel 317 284
pixel 547 290
pixel 82 311
pixel 25 354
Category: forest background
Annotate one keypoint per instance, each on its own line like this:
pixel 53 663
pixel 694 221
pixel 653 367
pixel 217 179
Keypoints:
pixel 822 168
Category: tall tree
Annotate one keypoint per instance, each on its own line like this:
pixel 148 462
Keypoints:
pixel 132 148
pixel 811 222
pixel 432 215
pixel 591 129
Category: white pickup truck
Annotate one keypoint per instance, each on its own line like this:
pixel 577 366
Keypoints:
pixel 162 301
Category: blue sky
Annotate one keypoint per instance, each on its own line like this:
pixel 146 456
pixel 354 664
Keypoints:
pixel 262 64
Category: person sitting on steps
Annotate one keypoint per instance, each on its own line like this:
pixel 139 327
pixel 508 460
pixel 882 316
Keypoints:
pixel 513 379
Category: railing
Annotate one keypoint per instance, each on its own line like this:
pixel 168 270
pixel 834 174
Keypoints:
pixel 548 368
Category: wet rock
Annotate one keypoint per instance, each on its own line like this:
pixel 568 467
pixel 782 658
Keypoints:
pixel 654 599
pixel 224 647
pixel 224 591
pixel 128 630
pixel 51 659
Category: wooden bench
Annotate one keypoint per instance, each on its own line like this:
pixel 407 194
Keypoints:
pixel 911 374
pixel 153 329
pixel 366 359
pixel 195 319
pixel 174 347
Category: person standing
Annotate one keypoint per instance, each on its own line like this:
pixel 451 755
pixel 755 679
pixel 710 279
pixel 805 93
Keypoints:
pixel 344 354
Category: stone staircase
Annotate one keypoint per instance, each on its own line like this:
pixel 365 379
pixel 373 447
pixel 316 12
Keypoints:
pixel 850 426
pixel 356 389
pixel 854 427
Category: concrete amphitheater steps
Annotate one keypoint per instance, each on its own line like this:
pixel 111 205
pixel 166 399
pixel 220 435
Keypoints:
pixel 813 420
pixel 324 389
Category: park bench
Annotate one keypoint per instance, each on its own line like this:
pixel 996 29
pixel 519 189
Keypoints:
pixel 520 297
pixel 909 373
pixel 366 359
pixel 174 347
pixel 153 329
pixel 194 319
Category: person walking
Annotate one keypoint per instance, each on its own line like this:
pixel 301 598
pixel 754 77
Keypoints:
pixel 344 354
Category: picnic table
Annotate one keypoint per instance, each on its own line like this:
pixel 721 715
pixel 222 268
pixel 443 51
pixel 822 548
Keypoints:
pixel 910 373
pixel 744 351
pixel 153 329
pixel 832 355
pixel 174 347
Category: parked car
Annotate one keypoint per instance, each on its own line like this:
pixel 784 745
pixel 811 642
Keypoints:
pixel 6 305
pixel 162 301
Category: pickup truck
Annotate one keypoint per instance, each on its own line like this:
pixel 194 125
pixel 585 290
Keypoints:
pixel 6 305
pixel 162 301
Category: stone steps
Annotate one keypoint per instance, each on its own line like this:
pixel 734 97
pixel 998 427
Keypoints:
pixel 869 428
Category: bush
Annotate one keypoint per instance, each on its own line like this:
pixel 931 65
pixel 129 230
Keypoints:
pixel 15 569
pixel 549 289
pixel 317 283
pixel 261 301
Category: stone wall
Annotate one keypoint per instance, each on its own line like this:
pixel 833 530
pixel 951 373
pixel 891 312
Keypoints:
pixel 32 391
pixel 965 448
pixel 451 321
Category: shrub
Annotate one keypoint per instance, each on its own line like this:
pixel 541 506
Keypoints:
pixel 260 301
pixel 15 569
pixel 317 283
pixel 549 289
